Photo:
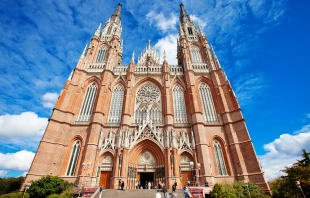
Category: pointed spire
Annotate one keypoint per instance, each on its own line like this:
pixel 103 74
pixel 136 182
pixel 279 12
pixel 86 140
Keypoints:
pixel 98 31
pixel 215 57
pixel 117 14
pixel 183 14
pixel 149 44
pixel 84 51
pixel 164 55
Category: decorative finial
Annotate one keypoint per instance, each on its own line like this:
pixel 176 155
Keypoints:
pixel 164 55
pixel 149 44
pixel 133 56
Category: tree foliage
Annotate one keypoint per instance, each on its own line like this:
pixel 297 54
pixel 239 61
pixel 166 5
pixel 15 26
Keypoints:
pixel 8 185
pixel 285 186
pixel 46 186
pixel 15 195
pixel 237 190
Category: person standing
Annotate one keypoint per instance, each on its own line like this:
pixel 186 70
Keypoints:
pixel 158 195
pixel 123 186
pixel 137 184
pixel 149 185
pixel 185 191
pixel 188 182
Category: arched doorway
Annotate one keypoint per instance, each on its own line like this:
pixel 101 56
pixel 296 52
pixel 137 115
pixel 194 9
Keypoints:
pixel 106 167
pixel 146 164
pixel 185 169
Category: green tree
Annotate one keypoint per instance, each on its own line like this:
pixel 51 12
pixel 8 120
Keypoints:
pixel 8 185
pixel 46 186
pixel 15 195
pixel 285 186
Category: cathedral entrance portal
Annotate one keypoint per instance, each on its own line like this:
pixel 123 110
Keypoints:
pixel 147 180
pixel 147 159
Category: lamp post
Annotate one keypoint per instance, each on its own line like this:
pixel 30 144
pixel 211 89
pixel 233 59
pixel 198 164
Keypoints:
pixel 299 186
pixel 198 168
pixel 247 187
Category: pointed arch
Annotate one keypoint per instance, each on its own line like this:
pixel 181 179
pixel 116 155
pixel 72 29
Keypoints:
pixel 102 53
pixel 148 103
pixel 219 158
pixel 179 107
pixel 74 156
pixel 207 103
pixel 88 102
pixel 196 55
pixel 116 106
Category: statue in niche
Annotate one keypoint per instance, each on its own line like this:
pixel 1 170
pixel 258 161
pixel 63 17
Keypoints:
pixel 171 159
pixel 120 159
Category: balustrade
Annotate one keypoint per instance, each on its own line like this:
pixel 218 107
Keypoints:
pixel 200 67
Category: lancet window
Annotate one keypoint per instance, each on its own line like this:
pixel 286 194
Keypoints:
pixel 148 104
pixel 207 103
pixel 73 158
pixel 179 105
pixel 116 105
pixel 88 103
pixel 101 54
pixel 196 56
pixel 219 158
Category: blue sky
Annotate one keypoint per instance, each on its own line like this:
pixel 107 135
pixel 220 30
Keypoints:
pixel 261 44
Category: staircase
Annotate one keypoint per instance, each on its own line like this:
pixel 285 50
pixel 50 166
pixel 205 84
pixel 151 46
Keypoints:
pixel 143 193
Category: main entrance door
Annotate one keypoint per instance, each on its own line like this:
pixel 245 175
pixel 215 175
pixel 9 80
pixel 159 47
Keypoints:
pixel 145 178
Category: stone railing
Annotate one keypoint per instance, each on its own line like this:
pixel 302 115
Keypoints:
pixel 120 70
pixel 106 38
pixel 200 67
pixel 96 67
pixel 192 38
pixel 148 69
pixel 175 70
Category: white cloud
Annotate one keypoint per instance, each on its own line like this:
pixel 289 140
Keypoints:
pixel 284 151
pixel 49 99
pixel 26 124
pixel 169 44
pixel 249 88
pixel 308 115
pixel 199 21
pixel 20 160
pixel 161 22
pixel 3 173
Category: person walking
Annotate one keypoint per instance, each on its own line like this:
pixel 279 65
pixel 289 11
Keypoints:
pixel 165 191
pixel 123 186
pixel 100 190
pixel 185 192
pixel 137 184
pixel 158 195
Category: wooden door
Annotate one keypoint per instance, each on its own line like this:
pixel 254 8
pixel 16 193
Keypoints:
pixel 105 178
pixel 186 175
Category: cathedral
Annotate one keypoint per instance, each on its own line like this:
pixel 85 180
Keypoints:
pixel 147 121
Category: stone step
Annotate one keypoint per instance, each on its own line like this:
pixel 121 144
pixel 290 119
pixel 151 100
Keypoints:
pixel 143 193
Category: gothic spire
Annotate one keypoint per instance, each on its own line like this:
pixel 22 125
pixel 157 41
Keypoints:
pixel 183 14
pixel 98 31
pixel 116 17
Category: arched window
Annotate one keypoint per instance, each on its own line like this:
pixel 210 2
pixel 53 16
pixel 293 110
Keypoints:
pixel 101 54
pixel 207 103
pixel 109 30
pixel 196 56
pixel 179 104
pixel 116 104
pixel 88 103
pixel 219 158
pixel 73 158
pixel 148 104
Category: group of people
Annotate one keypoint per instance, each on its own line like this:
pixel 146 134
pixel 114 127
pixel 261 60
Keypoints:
pixel 148 185
pixel 166 193
pixel 121 185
